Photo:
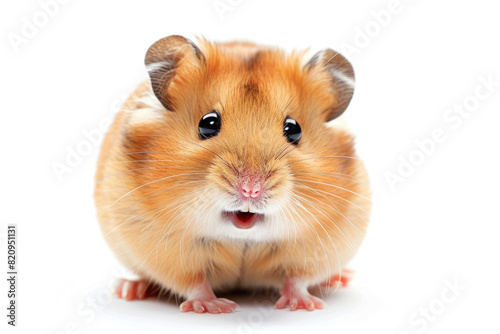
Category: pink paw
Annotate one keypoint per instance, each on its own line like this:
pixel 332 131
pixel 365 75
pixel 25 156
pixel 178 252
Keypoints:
pixel 132 290
pixel 210 305
pixel 297 297
pixel 343 279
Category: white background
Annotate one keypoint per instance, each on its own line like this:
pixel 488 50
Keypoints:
pixel 441 225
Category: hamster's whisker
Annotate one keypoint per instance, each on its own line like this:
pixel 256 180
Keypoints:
pixel 339 197
pixel 285 228
pixel 169 204
pixel 334 247
pixel 284 155
pixel 336 209
pixel 355 177
pixel 206 210
pixel 177 214
pixel 154 152
pixel 315 136
pixel 294 147
pixel 176 185
pixel 143 168
pixel 354 227
pixel 163 213
pixel 330 175
pixel 196 219
pixel 332 206
pixel 346 239
pixel 131 218
pixel 301 235
pixel 325 259
pixel 170 222
pixel 167 223
pixel 157 180
pixel 310 228
pixel 283 150
pixel 322 157
pixel 191 142
pixel 143 160
pixel 302 141
pixel 190 221
pixel 338 187
pixel 192 203
pixel 164 207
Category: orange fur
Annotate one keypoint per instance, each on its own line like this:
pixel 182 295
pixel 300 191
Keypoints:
pixel 155 176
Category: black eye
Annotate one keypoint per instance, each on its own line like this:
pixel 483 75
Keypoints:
pixel 209 125
pixel 292 130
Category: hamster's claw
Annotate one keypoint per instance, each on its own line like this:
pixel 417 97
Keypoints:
pixel 297 297
pixel 132 290
pixel 202 305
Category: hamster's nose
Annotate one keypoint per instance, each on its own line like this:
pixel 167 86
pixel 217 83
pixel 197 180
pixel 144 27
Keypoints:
pixel 250 190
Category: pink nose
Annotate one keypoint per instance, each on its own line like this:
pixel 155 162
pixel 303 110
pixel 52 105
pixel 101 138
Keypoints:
pixel 252 190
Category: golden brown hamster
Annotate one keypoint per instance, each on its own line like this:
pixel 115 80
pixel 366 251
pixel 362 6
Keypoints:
pixel 228 168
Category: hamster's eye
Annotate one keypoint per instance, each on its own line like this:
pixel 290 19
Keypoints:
pixel 292 130
pixel 209 125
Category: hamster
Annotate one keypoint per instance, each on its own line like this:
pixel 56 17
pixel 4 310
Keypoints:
pixel 229 169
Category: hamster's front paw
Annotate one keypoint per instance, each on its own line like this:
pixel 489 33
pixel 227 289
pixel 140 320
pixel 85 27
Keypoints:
pixel 202 299
pixel 214 305
pixel 296 296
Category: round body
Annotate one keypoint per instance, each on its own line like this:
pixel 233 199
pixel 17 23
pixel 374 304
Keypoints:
pixel 202 178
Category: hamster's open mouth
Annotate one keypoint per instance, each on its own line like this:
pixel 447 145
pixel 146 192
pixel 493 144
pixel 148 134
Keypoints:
pixel 243 220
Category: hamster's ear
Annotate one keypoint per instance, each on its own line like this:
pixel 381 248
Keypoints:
pixel 163 60
pixel 341 76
